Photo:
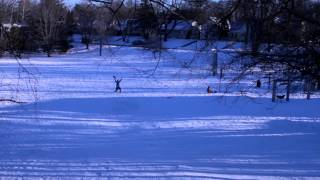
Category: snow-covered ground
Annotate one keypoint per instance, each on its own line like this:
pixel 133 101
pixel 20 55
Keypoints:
pixel 163 125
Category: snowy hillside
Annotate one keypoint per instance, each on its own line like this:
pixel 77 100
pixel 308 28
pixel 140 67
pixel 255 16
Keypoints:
pixel 162 126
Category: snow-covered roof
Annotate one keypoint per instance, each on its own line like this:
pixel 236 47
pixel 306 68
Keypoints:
pixel 9 25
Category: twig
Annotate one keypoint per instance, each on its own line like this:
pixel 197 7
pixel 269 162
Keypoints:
pixel 12 100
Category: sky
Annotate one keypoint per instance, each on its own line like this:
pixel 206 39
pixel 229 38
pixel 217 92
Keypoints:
pixel 72 2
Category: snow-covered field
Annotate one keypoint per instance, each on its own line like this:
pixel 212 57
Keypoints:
pixel 163 125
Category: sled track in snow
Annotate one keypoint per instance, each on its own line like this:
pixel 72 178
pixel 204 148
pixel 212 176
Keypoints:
pixel 127 170
pixel 161 127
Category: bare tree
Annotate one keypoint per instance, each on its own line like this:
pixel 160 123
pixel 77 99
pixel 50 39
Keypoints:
pixel 102 25
pixel 51 16
pixel 284 38
pixel 12 40
pixel 85 16
pixel 5 11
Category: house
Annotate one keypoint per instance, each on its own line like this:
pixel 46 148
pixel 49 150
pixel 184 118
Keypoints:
pixel 8 26
pixel 238 31
pixel 128 27
pixel 180 29
pixel 209 30
pixel 14 33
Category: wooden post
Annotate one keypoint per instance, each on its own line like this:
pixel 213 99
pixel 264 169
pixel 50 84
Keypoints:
pixel 214 61
pixel 274 90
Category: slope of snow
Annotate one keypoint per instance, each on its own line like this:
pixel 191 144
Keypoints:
pixel 163 125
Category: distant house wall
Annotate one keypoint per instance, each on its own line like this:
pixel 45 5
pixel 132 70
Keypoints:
pixel 209 31
pixel 181 30
pixel 129 27
pixel 179 34
pixel 238 31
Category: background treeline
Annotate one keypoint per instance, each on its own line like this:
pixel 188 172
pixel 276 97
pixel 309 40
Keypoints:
pixel 28 25
pixel 282 37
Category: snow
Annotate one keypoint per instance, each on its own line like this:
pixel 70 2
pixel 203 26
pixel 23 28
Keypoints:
pixel 163 125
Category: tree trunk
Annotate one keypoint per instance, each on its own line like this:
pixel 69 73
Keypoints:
pixel 308 89
pixel 48 53
pixel 288 90
pixel 100 51
pixel 288 85
pixel 221 76
pixel 246 38
pixel 269 81
pixel 309 93
pixel 274 90
pixel 48 48
pixel 165 38
pixel 214 62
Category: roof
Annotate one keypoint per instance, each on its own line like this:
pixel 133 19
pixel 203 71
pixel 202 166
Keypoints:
pixel 9 25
